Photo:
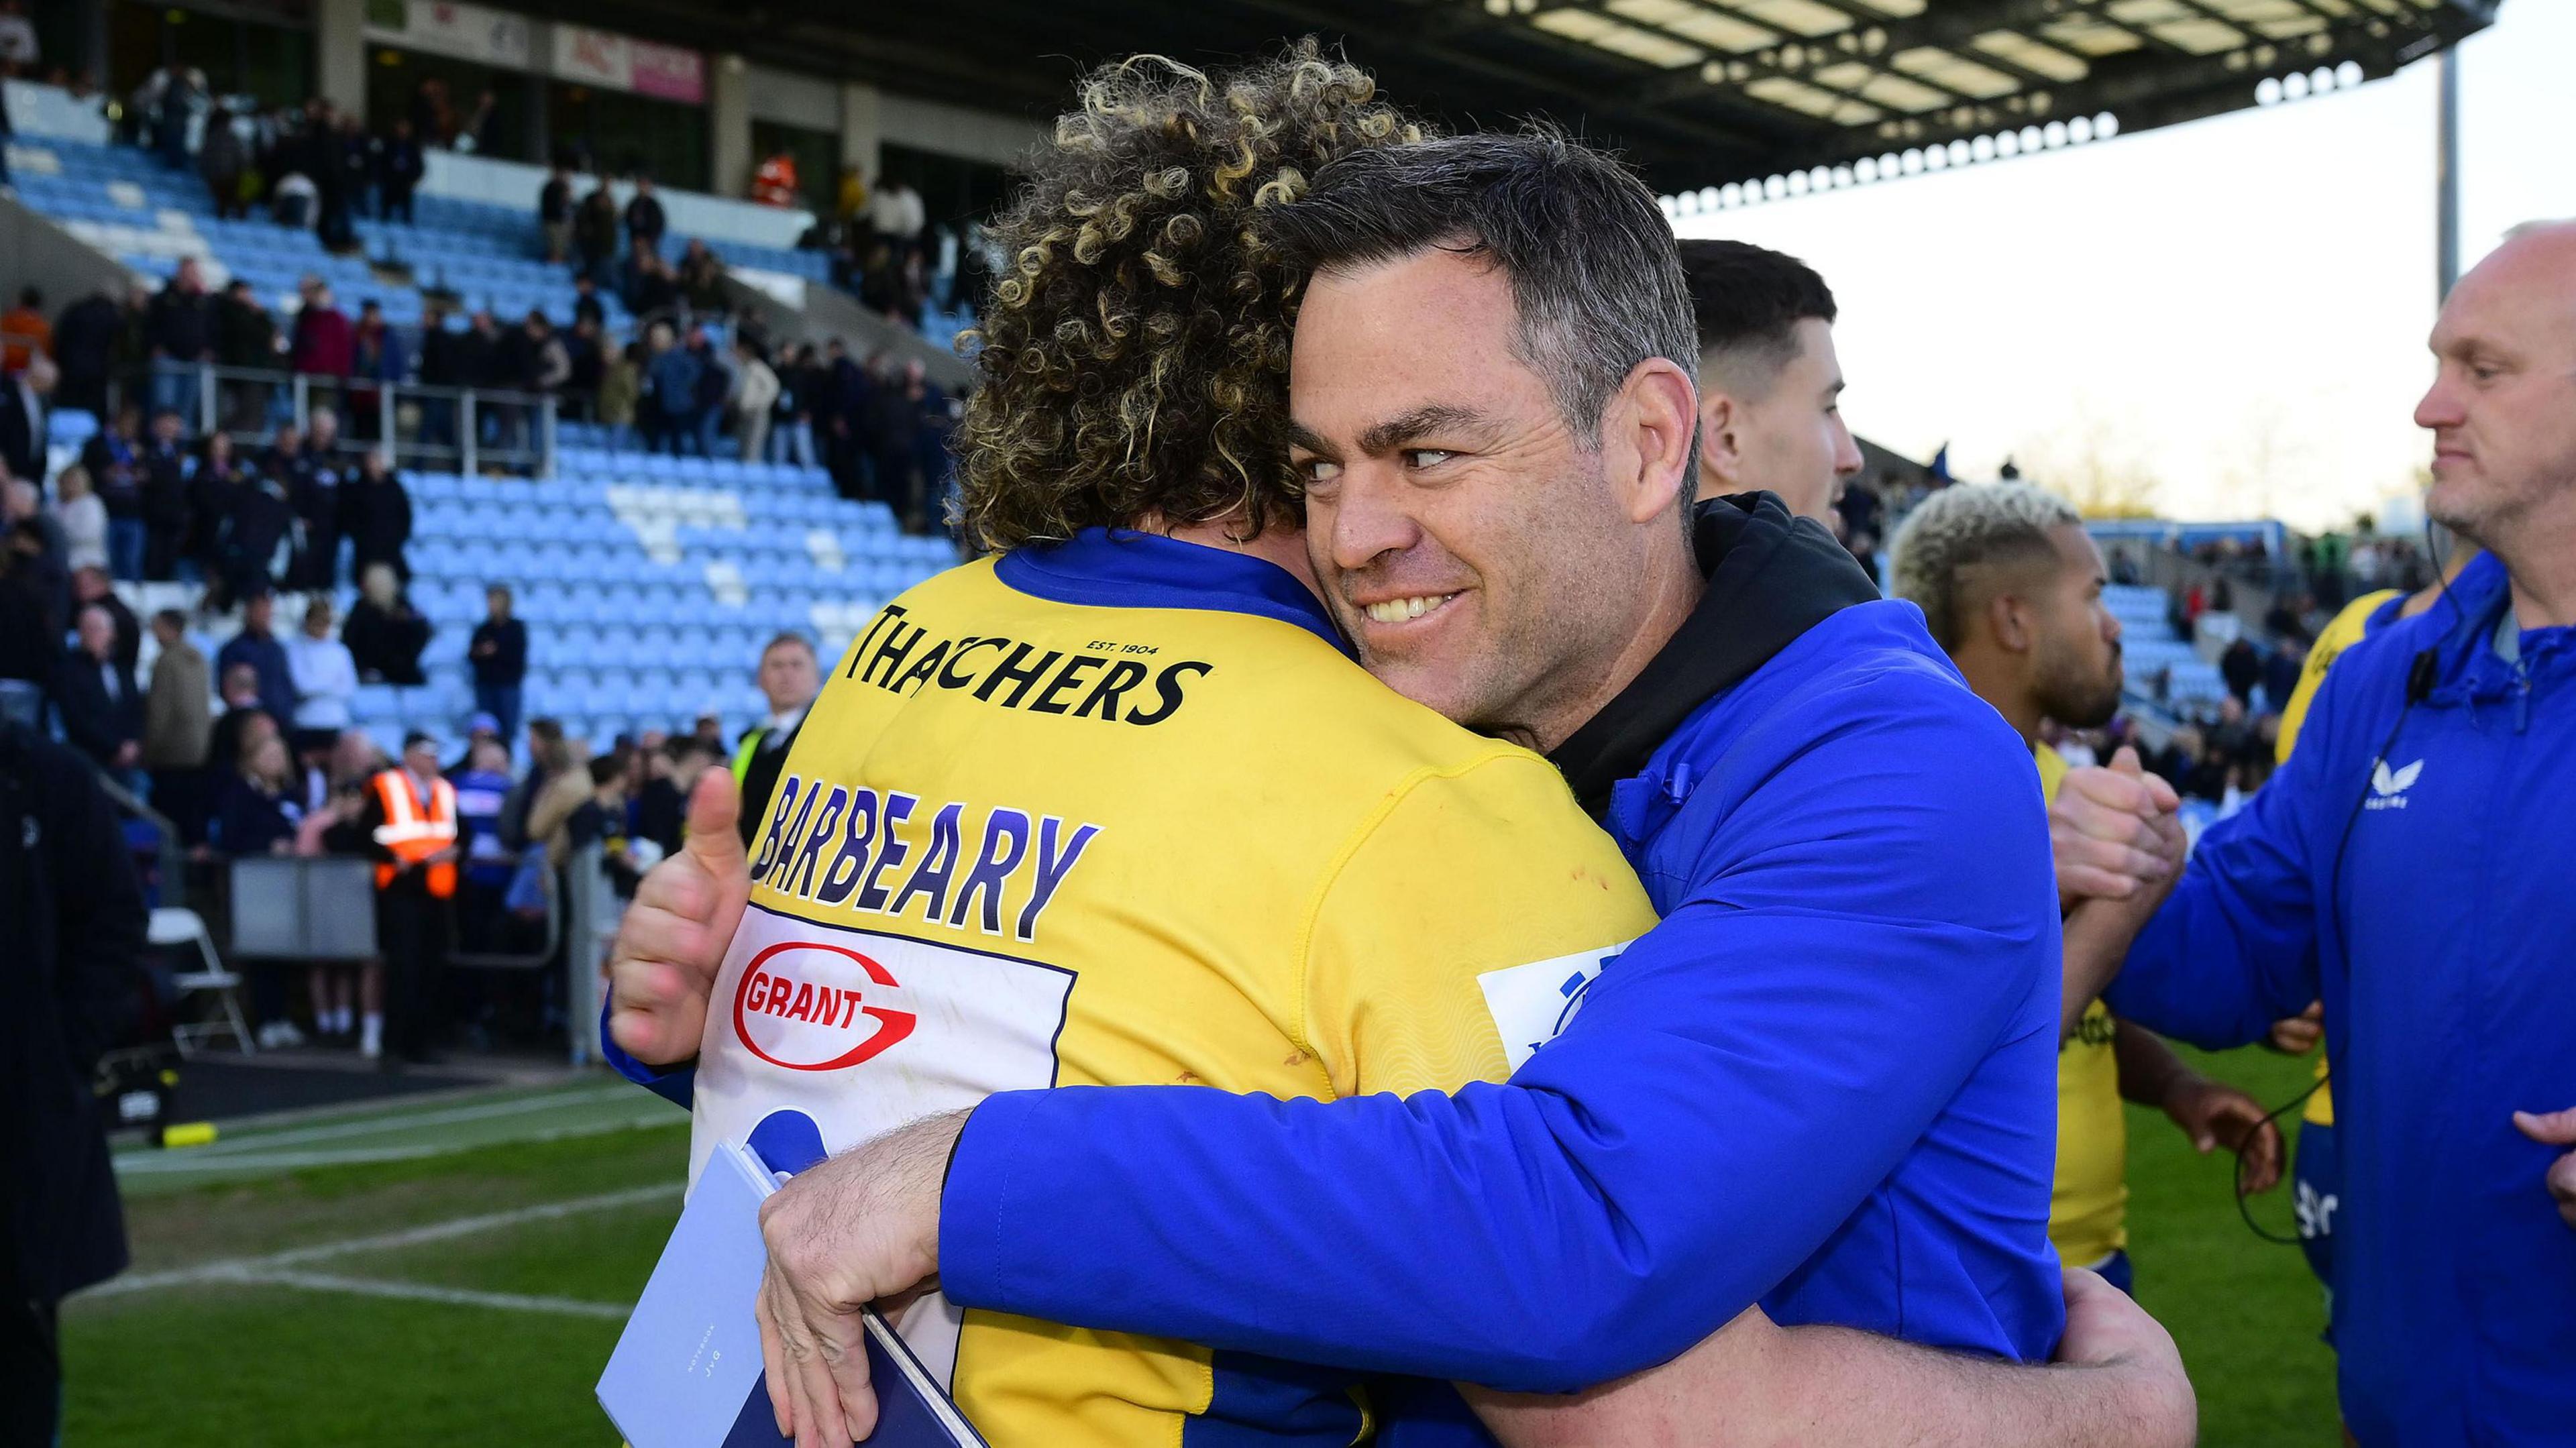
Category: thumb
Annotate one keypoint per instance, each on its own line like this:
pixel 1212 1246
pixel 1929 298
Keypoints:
pixel 2126 762
pixel 714 805
pixel 2549 1128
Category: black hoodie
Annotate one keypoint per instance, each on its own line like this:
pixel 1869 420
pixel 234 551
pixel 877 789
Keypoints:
pixel 1771 577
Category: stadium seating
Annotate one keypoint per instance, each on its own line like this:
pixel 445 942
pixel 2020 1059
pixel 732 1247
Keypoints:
pixel 2148 644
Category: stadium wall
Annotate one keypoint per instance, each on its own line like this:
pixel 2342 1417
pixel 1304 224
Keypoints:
pixel 36 252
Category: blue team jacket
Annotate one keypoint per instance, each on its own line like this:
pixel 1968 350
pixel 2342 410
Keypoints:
pixel 1826 1083
pixel 2444 947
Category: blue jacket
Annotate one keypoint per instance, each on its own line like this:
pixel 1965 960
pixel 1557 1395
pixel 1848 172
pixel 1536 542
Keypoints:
pixel 2412 867
pixel 1825 1083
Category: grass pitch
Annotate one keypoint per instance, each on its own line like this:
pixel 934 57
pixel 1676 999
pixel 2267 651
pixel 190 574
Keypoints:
pixel 455 1272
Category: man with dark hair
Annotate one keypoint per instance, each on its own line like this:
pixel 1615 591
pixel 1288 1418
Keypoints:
pixel 1493 412
pixel 257 646
pixel 498 655
pixel 95 696
pixel 1770 388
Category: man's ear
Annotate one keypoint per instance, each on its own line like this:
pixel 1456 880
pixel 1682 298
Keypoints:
pixel 2009 619
pixel 1721 458
pixel 1656 415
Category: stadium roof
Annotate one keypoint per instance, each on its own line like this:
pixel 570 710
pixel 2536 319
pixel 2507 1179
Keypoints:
pixel 1696 92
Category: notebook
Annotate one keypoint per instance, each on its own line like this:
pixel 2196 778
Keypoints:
pixel 687 1371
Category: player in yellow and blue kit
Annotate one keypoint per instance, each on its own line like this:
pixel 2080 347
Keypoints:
pixel 2011 586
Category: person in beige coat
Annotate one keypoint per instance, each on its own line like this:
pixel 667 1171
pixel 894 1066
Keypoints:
pixel 178 725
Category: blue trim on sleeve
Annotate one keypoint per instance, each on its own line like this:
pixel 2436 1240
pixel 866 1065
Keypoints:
pixel 1122 568
pixel 677 1085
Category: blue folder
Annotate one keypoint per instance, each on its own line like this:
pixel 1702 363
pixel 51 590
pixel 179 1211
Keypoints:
pixel 687 1371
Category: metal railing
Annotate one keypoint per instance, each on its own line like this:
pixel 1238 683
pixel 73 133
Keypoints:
pixel 447 429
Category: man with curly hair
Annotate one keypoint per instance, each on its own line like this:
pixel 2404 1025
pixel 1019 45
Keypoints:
pixel 1116 807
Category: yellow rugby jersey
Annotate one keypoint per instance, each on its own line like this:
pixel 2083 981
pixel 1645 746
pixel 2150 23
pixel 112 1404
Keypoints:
pixel 2349 627
pixel 2088 1203
pixel 1120 811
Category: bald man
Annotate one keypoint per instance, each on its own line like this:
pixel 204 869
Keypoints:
pixel 2409 866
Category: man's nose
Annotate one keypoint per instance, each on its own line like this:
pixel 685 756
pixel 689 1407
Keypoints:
pixel 1847 459
pixel 1370 517
pixel 2440 406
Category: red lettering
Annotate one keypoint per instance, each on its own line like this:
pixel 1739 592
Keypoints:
pixel 849 1005
pixel 755 991
pixel 803 1007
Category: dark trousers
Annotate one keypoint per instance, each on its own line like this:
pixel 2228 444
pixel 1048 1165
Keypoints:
pixel 31 1364
pixel 501 701
pixel 411 929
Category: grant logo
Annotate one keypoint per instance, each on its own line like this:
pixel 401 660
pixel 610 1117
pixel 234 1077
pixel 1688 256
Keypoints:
pixel 805 1006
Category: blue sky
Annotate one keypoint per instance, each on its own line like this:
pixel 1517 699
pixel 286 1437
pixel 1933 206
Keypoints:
pixel 2233 309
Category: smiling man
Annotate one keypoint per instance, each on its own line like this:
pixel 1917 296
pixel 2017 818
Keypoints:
pixel 1770 386
pixel 1822 1085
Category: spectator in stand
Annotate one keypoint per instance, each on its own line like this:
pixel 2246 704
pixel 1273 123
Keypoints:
pixel 774 182
pixel 880 282
pixel 594 234
pixel 224 161
pixel 671 380
pixel 478 353
pixel 375 516
pixel 76 945
pixel 18 45
pixel 385 634
pixel 245 338
pixel 22 418
pixel 586 305
pixel 323 342
pixel 243 715
pixel 585 365
pixel 554 213
pixel 482 131
pixel 76 506
pixel 399 167
pixel 326 678
pixel 254 543
pixel 549 364
pixel 411 828
pixel 621 384
pixel 895 213
pixel 30 527
pixel 215 480
pixel 892 425
pixel 432 118
pixel 95 700
pixel 2242 667
pixel 442 366
pixel 654 288
pixel 498 655
pixel 91 587
pixel 715 384
pixel 257 810
pixel 789 678
pixel 176 724
pixel 31 633
pixel 792 415
pixel 294 201
pixel 377 356
pixel 166 469
pixel 482 790
pixel 755 396
pixel 24 332
pixel 178 332
pixel 645 221
pixel 257 646
pixel 2281 670
pixel 701 274
pixel 840 395
pixel 312 483
pixel 84 344
pixel 931 460
pixel 166 103
pixel 113 458
pixel 350 168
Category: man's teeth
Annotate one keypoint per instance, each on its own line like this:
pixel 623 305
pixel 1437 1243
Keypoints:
pixel 1397 610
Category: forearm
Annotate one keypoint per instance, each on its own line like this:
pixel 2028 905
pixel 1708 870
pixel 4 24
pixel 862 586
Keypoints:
pixel 2097 938
pixel 1756 1385
pixel 2149 1069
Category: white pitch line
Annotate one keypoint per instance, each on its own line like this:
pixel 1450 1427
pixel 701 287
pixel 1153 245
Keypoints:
pixel 456 1296
pixel 336 1130
pixel 182 1161
pixel 241 1269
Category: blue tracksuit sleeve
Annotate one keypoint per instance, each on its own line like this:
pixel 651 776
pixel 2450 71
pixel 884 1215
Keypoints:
pixel 678 1085
pixel 2235 947
pixel 1861 933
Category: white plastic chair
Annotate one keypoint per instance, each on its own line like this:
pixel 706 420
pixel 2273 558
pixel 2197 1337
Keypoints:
pixel 173 926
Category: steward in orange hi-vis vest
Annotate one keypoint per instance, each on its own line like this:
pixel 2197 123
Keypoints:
pixel 413 833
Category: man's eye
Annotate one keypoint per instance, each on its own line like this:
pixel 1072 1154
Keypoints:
pixel 1426 457
pixel 1316 470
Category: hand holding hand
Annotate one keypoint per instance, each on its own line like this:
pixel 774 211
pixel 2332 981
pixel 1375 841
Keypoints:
pixel 2300 1034
pixel 674 936
pixel 2112 831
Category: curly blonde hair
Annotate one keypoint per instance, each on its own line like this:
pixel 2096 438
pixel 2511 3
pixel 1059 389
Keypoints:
pixel 1134 352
